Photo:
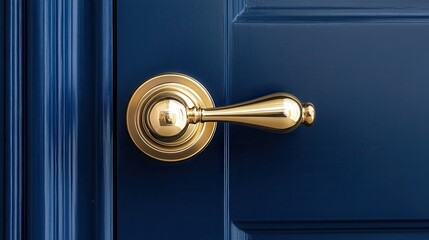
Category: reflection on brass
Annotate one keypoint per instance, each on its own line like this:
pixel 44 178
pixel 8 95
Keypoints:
pixel 157 118
pixel 279 112
pixel 172 117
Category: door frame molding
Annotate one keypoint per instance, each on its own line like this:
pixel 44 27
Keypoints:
pixel 58 68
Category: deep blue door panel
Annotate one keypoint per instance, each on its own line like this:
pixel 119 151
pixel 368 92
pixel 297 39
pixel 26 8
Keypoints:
pixel 361 172
pixel 157 200
pixel 367 156
pixel 365 159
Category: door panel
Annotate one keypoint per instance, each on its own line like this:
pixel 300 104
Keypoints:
pixel 363 166
pixel 359 173
pixel 366 156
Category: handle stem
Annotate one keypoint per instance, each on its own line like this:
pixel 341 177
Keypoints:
pixel 279 112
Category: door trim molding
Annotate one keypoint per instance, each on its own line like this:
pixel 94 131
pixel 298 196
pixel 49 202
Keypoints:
pixel 245 229
pixel 59 119
pixel 14 119
pixel 332 14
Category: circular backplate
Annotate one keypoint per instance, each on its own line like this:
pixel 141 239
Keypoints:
pixel 183 89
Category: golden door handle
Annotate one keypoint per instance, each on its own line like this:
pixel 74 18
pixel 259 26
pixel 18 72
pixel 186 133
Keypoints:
pixel 172 117
pixel 279 112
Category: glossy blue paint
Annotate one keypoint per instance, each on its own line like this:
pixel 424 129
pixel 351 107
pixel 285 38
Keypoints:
pixel 14 120
pixel 2 110
pixel 157 200
pixel 59 111
pixel 105 122
pixel 53 147
pixel 359 161
pixel 361 172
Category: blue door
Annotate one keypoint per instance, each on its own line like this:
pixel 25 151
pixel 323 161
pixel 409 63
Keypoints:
pixel 70 169
pixel 362 170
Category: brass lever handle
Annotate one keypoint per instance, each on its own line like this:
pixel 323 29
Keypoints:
pixel 279 112
pixel 172 117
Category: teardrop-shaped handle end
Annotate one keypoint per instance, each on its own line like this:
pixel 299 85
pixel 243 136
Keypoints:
pixel 309 114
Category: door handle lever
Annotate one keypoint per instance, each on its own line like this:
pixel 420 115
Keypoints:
pixel 278 112
pixel 172 117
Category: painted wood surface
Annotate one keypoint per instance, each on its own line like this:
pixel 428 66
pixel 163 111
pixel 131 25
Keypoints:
pixel 354 175
pixel 58 120
pixel 2 110
pixel 359 173
pixel 157 200
pixel 363 167
pixel 14 120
